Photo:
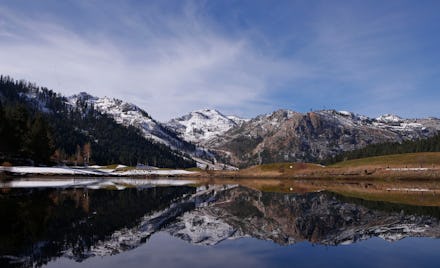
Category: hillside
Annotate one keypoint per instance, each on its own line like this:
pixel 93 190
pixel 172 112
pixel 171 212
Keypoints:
pixel 288 136
pixel 431 144
pixel 130 115
pixel 410 160
pixel 74 134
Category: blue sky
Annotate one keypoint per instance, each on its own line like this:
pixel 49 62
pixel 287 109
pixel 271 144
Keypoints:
pixel 241 57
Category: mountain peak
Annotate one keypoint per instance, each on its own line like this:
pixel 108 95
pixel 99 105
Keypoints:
pixel 389 118
pixel 208 110
pixel 208 113
pixel 83 96
pixel 204 124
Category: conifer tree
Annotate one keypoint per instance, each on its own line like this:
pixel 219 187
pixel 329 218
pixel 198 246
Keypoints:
pixel 39 144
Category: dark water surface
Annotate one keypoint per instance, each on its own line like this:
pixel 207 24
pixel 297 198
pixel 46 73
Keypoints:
pixel 211 226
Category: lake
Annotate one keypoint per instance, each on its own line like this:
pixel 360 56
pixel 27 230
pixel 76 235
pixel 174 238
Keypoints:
pixel 238 223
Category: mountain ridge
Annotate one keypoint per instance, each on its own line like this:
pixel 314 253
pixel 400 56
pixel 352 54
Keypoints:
pixel 219 141
pixel 129 114
pixel 286 135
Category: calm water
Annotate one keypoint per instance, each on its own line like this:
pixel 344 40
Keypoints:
pixel 210 226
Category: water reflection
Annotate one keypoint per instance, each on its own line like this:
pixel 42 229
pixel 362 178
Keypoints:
pixel 39 225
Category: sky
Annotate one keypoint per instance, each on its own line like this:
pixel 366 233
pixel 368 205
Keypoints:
pixel 241 57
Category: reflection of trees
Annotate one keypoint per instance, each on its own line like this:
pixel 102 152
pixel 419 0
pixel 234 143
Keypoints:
pixel 41 224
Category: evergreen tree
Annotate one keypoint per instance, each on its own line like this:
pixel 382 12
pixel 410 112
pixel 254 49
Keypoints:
pixel 39 144
pixel 2 127
pixel 431 144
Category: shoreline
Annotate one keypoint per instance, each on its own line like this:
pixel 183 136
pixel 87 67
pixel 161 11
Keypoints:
pixel 389 176
pixel 416 192
pixel 283 171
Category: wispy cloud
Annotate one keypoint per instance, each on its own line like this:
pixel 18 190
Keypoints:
pixel 372 54
pixel 178 63
pixel 173 58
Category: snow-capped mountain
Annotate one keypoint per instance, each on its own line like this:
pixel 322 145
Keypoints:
pixel 283 135
pixel 202 125
pixel 128 114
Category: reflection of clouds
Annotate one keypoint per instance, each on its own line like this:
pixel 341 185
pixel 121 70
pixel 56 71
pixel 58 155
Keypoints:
pixel 164 250
pixel 179 60
pixel 189 256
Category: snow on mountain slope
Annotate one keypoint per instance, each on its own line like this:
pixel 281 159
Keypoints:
pixel 237 120
pixel 128 114
pixel 202 125
pixel 389 118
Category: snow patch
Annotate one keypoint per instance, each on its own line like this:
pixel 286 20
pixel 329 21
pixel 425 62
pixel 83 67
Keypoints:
pixel 410 189
pixel 92 172
pixel 389 118
pixel 346 113
pixel 199 227
pixel 407 169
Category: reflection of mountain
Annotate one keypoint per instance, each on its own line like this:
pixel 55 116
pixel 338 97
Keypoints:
pixel 322 217
pixel 39 225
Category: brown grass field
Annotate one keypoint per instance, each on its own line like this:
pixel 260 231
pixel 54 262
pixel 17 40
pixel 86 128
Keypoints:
pixel 414 166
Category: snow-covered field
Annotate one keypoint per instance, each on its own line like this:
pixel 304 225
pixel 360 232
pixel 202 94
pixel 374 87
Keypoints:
pixel 91 181
pixel 95 171
pixel 50 171
pixel 410 189
pixel 408 169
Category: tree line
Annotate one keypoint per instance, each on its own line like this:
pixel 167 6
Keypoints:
pixel 431 144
